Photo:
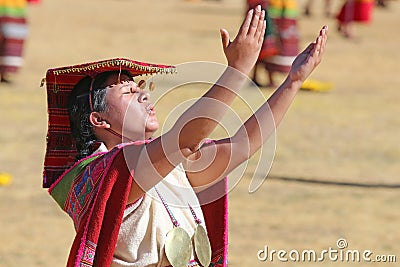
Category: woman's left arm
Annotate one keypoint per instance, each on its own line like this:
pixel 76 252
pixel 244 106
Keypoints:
pixel 217 159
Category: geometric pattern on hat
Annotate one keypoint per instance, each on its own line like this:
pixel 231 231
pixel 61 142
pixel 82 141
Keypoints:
pixel 61 146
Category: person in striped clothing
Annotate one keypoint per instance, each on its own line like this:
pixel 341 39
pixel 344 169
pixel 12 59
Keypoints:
pixel 13 32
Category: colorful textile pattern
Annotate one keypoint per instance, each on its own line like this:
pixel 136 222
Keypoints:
pixel 61 147
pixel 61 187
pixel 98 195
pixel 216 217
pixel 88 254
pixel 83 188
pixel 13 32
pixel 356 10
pixel 98 203
pixel 284 15
pixel 269 47
pixel 218 262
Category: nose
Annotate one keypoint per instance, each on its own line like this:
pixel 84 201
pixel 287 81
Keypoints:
pixel 144 96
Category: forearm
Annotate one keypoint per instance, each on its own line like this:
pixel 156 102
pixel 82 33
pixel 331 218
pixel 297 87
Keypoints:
pixel 280 101
pixel 161 155
pixel 199 120
pixel 231 152
pixel 259 127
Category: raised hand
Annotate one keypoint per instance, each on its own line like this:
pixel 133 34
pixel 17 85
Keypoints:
pixel 243 51
pixel 307 60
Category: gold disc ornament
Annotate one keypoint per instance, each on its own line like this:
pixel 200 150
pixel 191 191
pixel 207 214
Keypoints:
pixel 202 246
pixel 152 86
pixel 178 247
pixel 142 84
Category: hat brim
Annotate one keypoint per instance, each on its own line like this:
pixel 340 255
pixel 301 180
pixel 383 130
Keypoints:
pixel 61 148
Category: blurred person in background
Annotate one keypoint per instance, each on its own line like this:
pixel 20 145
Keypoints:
pixel 13 32
pixel 308 7
pixel 381 3
pixel 359 11
pixel 281 40
pixel 269 46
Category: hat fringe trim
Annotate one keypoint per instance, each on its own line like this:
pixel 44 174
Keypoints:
pixel 146 69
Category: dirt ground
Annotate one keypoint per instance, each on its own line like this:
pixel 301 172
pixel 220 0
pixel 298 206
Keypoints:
pixel 336 168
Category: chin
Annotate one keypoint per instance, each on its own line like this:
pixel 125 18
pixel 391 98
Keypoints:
pixel 152 125
pixel 152 129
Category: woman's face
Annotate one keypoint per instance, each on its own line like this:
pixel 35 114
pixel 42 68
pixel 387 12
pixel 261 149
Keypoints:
pixel 130 111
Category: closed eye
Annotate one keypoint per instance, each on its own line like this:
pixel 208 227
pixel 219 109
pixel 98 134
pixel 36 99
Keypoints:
pixel 129 89
pixel 128 92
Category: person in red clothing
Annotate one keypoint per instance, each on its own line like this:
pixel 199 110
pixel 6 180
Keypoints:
pixel 359 11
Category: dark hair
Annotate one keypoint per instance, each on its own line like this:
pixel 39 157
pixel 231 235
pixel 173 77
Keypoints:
pixel 79 110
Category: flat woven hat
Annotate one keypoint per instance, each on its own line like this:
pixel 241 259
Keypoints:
pixel 61 147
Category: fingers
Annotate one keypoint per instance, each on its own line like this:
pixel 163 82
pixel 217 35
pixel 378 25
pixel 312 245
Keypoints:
pixel 309 48
pixel 246 23
pixel 225 38
pixel 257 22
pixel 324 35
pixel 261 37
pixel 319 45
pixel 253 23
pixel 317 49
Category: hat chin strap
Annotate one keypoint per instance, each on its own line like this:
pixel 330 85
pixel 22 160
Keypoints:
pixel 117 134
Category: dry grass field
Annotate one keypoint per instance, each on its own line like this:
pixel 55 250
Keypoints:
pixel 329 148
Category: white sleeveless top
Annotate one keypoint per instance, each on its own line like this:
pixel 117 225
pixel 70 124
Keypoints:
pixel 146 223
